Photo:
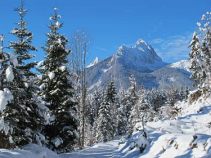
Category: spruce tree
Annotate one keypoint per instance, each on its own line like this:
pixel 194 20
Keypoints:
pixel 141 112
pixel 131 96
pixel 112 100
pixel 206 52
pixel 195 59
pixel 21 115
pixel 201 53
pixel 4 61
pixel 111 93
pixel 4 58
pixel 104 123
pixel 121 120
pixel 58 92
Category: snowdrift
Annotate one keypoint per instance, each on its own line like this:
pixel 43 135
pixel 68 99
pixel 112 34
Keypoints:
pixel 189 135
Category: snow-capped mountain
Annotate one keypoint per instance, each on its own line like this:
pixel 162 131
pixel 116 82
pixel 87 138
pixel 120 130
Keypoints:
pixel 141 61
pixel 94 62
pixel 183 64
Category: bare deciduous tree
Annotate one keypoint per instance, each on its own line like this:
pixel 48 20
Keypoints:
pixel 79 47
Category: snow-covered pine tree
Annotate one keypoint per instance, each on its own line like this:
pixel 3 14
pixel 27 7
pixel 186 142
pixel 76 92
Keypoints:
pixel 200 55
pixel 131 96
pixel 104 123
pixel 112 100
pixel 195 59
pixel 138 112
pixel 172 97
pixel 156 98
pixel 206 52
pixel 58 91
pixel 121 120
pixel 21 115
pixel 4 61
pixel 96 101
pixel 111 93
pixel 4 58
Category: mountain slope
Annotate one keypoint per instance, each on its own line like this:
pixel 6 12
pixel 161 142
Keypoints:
pixel 141 61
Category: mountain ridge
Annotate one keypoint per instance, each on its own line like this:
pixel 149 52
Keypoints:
pixel 141 61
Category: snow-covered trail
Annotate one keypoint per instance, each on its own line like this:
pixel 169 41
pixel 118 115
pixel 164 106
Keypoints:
pixel 106 150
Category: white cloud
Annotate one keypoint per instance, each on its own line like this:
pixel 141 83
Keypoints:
pixel 172 48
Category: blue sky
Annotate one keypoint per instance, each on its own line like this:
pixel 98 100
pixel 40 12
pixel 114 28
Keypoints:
pixel 166 24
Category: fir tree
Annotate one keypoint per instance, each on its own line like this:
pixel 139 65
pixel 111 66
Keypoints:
pixel 104 129
pixel 21 115
pixel 206 52
pixel 138 112
pixel 111 93
pixel 96 101
pixel 112 100
pixel 4 58
pixel 200 54
pixel 4 62
pixel 131 97
pixel 121 121
pixel 195 59
pixel 58 92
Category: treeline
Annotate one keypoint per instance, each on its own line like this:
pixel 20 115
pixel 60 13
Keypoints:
pixel 109 113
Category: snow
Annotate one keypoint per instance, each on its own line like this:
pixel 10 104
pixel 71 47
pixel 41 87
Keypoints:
pixel 29 151
pixel 96 61
pixel 40 64
pixel 141 55
pixel 58 25
pixel 172 79
pixel 186 136
pixel 57 141
pixel 101 150
pixel 95 85
pixel 5 97
pixel 1 38
pixel 183 64
pixel 59 41
pixel 106 70
pixel 9 74
pixel 14 31
pixel 62 68
pixel 141 43
pixel 198 24
pixel 14 60
pixel 51 75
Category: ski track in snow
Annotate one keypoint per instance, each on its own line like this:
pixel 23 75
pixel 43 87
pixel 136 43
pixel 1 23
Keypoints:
pixel 107 150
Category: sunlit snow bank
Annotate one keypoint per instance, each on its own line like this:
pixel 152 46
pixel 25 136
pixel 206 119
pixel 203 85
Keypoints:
pixel 189 135
pixel 30 151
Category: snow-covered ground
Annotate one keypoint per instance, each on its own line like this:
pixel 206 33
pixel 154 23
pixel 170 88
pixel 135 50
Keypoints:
pixel 101 150
pixel 189 135
pixel 30 151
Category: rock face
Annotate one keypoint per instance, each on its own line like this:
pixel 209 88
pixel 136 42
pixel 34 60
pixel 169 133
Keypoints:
pixel 143 63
